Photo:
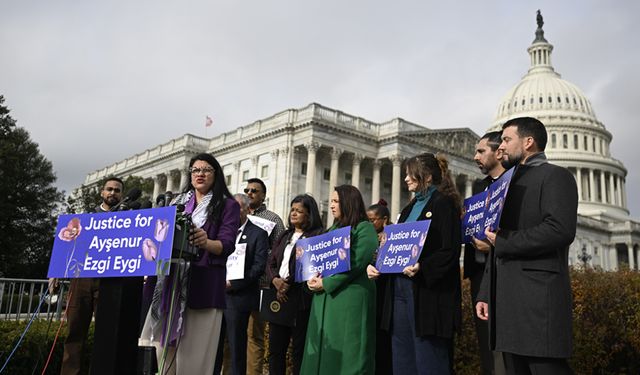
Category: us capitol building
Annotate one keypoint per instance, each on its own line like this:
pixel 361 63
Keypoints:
pixel 314 148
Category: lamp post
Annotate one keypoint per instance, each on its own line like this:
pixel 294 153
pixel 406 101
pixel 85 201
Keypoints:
pixel 584 256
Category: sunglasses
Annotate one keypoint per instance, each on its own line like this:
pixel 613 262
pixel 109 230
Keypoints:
pixel 252 191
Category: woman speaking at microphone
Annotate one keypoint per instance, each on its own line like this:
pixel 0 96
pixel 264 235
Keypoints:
pixel 341 333
pixel 195 298
pixel 422 305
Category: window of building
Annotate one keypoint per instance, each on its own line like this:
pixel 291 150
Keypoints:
pixel 264 171
pixel 586 143
pixel 368 181
pixel 593 144
pixel 601 147
pixel 326 174
pixel 245 175
pixel 303 168
pixel 227 179
pixel 347 178
pixel 554 142
pixel 565 141
pixel 575 141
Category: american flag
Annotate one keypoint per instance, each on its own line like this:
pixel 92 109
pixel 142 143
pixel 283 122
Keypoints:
pixel 208 121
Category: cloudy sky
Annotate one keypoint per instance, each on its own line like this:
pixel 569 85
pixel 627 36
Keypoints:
pixel 97 81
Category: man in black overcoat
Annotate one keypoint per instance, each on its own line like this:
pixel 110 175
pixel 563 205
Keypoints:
pixel 526 291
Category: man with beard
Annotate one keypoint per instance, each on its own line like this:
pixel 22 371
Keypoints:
pixel 256 190
pixel 83 293
pixel 526 291
pixel 487 157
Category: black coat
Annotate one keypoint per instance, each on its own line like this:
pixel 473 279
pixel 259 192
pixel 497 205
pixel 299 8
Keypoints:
pixel 526 282
pixel 297 291
pixel 244 294
pixel 436 286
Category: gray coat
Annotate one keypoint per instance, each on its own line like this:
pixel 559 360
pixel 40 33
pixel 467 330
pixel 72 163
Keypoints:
pixel 526 282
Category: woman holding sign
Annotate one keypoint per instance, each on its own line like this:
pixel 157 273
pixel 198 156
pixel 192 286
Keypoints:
pixel 304 221
pixel 422 305
pixel 341 333
pixel 185 326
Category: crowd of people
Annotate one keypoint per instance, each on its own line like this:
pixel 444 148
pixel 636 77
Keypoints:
pixel 363 321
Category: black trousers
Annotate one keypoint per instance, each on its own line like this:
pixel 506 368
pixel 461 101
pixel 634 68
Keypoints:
pixel 525 365
pixel 279 337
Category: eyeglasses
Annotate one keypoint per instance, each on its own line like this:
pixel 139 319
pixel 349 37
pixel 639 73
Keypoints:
pixel 201 170
pixel 110 189
pixel 252 191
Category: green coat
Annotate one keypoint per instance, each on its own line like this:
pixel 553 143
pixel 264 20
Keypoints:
pixel 341 333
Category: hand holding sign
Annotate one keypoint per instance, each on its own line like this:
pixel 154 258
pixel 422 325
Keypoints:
pixel 402 247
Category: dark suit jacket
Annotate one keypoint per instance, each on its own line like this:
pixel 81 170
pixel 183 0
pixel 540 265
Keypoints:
pixel 526 282
pixel 436 287
pixel 244 294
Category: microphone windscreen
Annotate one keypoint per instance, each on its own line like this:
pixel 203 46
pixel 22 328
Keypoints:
pixel 180 208
pixel 133 194
pixel 146 204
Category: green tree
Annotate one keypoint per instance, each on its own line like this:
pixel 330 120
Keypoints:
pixel 29 202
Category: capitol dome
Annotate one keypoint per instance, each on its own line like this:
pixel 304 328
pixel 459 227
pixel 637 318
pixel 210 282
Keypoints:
pixel 577 139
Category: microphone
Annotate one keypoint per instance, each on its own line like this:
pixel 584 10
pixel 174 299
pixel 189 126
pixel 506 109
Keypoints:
pixel 132 195
pixel 146 204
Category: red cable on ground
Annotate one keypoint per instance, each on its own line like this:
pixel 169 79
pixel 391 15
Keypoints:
pixel 55 339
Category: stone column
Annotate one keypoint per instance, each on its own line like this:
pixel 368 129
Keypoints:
pixel 312 148
pixel 396 160
pixel 254 167
pixel 184 178
pixel 603 188
pixel 623 193
pixel 579 183
pixel 375 183
pixel 171 179
pixel 156 186
pixel 612 190
pixel 333 177
pixel 619 190
pixel 592 187
pixel 632 259
pixel 468 187
pixel 273 170
pixel 236 167
pixel 613 258
pixel 355 171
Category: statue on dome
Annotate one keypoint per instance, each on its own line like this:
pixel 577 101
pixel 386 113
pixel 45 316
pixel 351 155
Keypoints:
pixel 539 19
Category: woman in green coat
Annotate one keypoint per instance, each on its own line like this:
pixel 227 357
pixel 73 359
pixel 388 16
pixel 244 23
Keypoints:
pixel 341 333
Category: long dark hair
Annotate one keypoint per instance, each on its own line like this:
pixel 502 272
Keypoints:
pixel 219 189
pixel 424 165
pixel 352 209
pixel 314 222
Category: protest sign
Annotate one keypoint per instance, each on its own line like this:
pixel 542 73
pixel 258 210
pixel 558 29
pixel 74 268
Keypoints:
pixel 473 220
pixel 326 254
pixel 484 209
pixel 235 262
pixel 401 245
pixel 113 244
pixel 263 223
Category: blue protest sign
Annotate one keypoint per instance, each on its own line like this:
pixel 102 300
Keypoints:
pixel 401 246
pixel 473 221
pixel 113 244
pixel 496 195
pixel 485 209
pixel 326 254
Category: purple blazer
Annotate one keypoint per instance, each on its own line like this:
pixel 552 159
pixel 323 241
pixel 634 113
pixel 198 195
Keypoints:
pixel 208 277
